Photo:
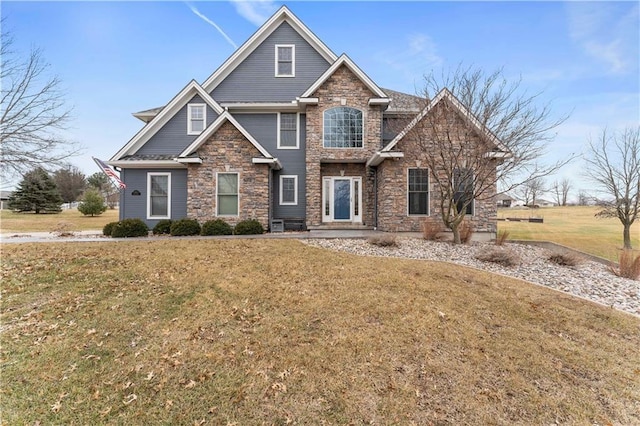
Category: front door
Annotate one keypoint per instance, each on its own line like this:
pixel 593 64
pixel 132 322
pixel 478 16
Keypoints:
pixel 342 199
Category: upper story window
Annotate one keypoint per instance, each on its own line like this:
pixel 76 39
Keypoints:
pixel 343 128
pixel 288 130
pixel 196 118
pixel 463 184
pixel 285 60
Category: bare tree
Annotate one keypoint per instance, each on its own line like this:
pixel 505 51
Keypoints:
pixel 531 191
pixel 71 183
pixel 613 164
pixel 33 113
pixel 497 140
pixel 561 191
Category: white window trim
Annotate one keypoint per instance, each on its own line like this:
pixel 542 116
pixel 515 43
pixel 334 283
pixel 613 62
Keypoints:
pixel 238 209
pixel 295 184
pixel 204 118
pixel 363 128
pixel 149 175
pixel 293 60
pixel 428 193
pixel 297 132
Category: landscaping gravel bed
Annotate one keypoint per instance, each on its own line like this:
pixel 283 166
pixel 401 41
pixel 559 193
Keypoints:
pixel 589 279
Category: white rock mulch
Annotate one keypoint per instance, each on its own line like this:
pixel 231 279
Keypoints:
pixel 591 280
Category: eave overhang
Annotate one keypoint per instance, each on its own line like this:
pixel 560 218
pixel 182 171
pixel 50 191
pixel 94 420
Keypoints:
pixel 273 163
pixel 378 157
pixel 147 164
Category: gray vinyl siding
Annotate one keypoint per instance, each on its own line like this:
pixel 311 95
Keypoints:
pixel 264 127
pixel 254 79
pixel 135 206
pixel 172 138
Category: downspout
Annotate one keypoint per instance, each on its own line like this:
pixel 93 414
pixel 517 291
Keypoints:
pixel 375 198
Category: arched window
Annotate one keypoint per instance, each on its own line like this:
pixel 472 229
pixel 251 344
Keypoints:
pixel 343 128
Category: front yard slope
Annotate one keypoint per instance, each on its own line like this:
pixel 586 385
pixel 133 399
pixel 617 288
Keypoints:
pixel 275 332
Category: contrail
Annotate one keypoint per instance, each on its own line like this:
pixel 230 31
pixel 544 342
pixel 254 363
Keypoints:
pixel 210 22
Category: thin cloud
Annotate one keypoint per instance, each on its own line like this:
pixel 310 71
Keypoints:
pixel 607 32
pixel 210 22
pixel 256 12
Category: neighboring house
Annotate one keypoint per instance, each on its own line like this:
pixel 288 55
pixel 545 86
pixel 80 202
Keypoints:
pixel 286 130
pixel 545 203
pixel 504 200
pixel 4 199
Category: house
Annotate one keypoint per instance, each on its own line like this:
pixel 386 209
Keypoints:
pixel 504 200
pixel 286 130
pixel 4 199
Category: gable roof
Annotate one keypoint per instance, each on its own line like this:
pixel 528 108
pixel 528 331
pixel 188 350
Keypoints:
pixel 344 60
pixel 445 94
pixel 167 112
pixel 282 15
pixel 209 131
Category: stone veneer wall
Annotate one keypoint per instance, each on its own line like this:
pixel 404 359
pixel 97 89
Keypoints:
pixel 343 88
pixel 228 151
pixel 393 187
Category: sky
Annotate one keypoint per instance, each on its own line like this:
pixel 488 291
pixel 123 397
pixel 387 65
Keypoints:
pixel 116 58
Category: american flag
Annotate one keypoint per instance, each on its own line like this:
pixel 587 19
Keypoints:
pixel 109 172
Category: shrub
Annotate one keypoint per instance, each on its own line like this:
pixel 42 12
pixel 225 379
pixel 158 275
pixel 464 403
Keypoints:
pixel 163 227
pixel 466 232
pixel 216 227
pixel 628 265
pixel 501 256
pixel 108 228
pixel 565 259
pixel 502 237
pixel 130 228
pixel 184 227
pixel 430 230
pixel 248 227
pixel 92 204
pixel 386 240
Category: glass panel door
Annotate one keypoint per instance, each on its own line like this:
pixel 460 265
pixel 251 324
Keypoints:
pixel 342 199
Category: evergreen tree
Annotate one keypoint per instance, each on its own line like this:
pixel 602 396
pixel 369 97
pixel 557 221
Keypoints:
pixel 36 192
pixel 92 204
pixel 71 183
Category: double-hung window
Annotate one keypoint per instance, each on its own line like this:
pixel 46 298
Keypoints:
pixel 287 130
pixel 463 185
pixel 227 194
pixel 196 118
pixel 159 195
pixel 288 190
pixel 342 128
pixel 285 60
pixel 418 192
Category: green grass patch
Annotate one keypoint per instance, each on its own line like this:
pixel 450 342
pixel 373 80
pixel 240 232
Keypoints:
pixel 241 331
pixel 574 226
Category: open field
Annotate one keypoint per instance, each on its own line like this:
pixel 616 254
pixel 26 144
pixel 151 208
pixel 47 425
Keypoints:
pixel 574 226
pixel 242 332
pixel 30 222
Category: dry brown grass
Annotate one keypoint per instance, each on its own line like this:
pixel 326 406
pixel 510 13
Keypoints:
pixel 502 237
pixel 244 332
pixel 466 232
pixel 384 240
pixel 566 258
pixel 431 229
pixel 628 265
pixel 11 222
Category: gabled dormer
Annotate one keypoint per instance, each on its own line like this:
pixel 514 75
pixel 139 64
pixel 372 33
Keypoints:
pixel 281 60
